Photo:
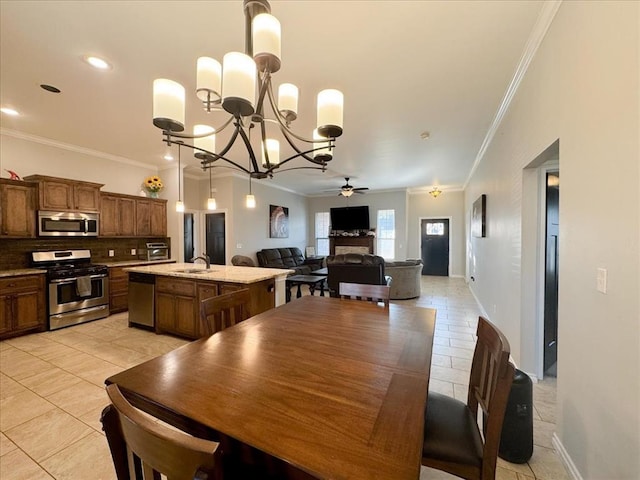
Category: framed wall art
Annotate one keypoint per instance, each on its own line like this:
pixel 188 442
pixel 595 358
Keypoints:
pixel 278 222
pixel 479 217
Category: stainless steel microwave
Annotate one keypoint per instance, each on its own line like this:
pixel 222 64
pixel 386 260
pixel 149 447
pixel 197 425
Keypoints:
pixel 67 224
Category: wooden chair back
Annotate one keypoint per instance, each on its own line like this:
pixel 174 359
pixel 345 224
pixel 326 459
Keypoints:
pixel 153 449
pixel 453 441
pixel 362 291
pixel 224 311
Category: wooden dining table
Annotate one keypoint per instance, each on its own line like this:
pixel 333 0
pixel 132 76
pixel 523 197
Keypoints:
pixel 335 388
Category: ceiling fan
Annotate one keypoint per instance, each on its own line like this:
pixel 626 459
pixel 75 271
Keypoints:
pixel 347 190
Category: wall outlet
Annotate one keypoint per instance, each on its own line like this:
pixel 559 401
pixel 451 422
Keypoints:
pixel 111 253
pixel 601 280
pixel 133 251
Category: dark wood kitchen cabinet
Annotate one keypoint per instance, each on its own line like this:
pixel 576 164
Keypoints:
pixel 117 215
pixel 151 217
pixel 61 194
pixel 176 307
pixel 17 209
pixel 118 290
pixel 22 305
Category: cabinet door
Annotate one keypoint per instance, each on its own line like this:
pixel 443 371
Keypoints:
pixel 86 198
pixel 108 216
pixel 127 208
pixel 165 312
pixel 17 211
pixel 26 311
pixel 186 316
pixel 143 218
pixel 56 195
pixel 5 313
pixel 158 216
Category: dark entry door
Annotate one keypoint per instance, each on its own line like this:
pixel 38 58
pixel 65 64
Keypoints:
pixel 215 238
pixel 551 275
pixel 188 237
pixel 434 238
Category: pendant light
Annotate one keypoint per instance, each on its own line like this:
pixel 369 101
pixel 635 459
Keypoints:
pixel 250 200
pixel 211 201
pixel 179 203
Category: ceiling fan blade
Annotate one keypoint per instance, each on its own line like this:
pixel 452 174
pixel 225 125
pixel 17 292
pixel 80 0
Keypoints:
pixel 360 188
pixel 359 191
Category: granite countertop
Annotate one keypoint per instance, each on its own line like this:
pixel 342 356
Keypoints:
pixel 22 271
pixel 127 263
pixel 220 273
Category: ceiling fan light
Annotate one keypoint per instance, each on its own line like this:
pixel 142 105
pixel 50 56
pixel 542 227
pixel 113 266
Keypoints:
pixel 168 105
pixel 238 84
pixel 347 193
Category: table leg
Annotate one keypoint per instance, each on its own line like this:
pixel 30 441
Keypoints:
pixel 299 294
pixel 312 288
pixel 288 293
pixel 322 288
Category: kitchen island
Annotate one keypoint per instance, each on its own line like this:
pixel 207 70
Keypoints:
pixel 180 287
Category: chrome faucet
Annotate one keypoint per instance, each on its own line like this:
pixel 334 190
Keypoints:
pixel 205 258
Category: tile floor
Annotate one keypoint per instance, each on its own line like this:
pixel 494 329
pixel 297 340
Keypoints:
pixel 52 390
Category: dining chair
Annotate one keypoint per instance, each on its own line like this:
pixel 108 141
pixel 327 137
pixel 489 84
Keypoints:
pixel 224 311
pixel 363 291
pixel 452 438
pixel 143 448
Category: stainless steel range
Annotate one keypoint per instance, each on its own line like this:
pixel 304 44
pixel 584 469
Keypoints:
pixel 78 291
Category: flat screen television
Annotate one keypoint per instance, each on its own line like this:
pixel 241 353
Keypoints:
pixel 350 218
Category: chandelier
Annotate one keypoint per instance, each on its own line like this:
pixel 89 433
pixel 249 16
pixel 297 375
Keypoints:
pixel 435 193
pixel 242 87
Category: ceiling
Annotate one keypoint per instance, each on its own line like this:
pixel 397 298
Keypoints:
pixel 404 68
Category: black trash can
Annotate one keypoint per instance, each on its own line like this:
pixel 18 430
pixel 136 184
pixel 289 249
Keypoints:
pixel 516 442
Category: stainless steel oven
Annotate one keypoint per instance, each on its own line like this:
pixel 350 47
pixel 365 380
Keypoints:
pixel 157 251
pixel 67 224
pixel 78 291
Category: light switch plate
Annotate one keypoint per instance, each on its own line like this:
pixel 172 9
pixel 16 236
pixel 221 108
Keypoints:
pixel 602 280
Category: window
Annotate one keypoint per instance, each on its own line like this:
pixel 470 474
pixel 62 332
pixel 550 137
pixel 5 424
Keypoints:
pixel 386 230
pixel 322 233
pixel 435 228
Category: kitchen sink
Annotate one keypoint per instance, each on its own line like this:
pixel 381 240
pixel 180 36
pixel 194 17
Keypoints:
pixel 193 270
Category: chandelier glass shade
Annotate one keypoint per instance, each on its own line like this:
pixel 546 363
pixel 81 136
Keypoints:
pixel 435 193
pixel 242 87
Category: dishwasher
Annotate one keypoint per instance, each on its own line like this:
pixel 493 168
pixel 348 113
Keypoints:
pixel 141 299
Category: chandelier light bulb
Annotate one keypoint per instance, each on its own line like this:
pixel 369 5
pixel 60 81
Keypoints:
pixel 329 114
pixel 168 105
pixel 266 32
pixel 211 204
pixel 179 206
pixel 288 101
pixel 207 143
pixel 273 148
pixel 238 84
pixel 250 201
pixel 208 79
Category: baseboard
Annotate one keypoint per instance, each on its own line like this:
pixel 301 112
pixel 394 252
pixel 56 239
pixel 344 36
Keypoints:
pixel 456 276
pixel 483 312
pixel 566 459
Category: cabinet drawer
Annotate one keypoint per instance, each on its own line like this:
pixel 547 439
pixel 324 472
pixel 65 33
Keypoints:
pixel 177 287
pixel 117 273
pixel 19 284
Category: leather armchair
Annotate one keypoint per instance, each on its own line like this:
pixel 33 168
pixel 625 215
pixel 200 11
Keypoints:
pixel 355 268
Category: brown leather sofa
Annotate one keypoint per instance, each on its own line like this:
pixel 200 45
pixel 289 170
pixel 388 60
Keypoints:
pixel 355 268
pixel 290 258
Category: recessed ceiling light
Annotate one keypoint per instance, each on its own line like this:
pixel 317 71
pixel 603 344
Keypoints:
pixel 50 88
pixel 97 62
pixel 9 111
pixel 424 135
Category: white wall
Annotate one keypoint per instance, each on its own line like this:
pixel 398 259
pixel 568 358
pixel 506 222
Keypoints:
pixel 376 201
pixel 448 204
pixel 581 88
pixel 39 156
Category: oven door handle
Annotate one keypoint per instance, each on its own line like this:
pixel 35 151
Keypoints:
pixel 70 280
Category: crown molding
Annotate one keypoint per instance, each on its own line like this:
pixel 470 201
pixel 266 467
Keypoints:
pixel 74 148
pixel 546 16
